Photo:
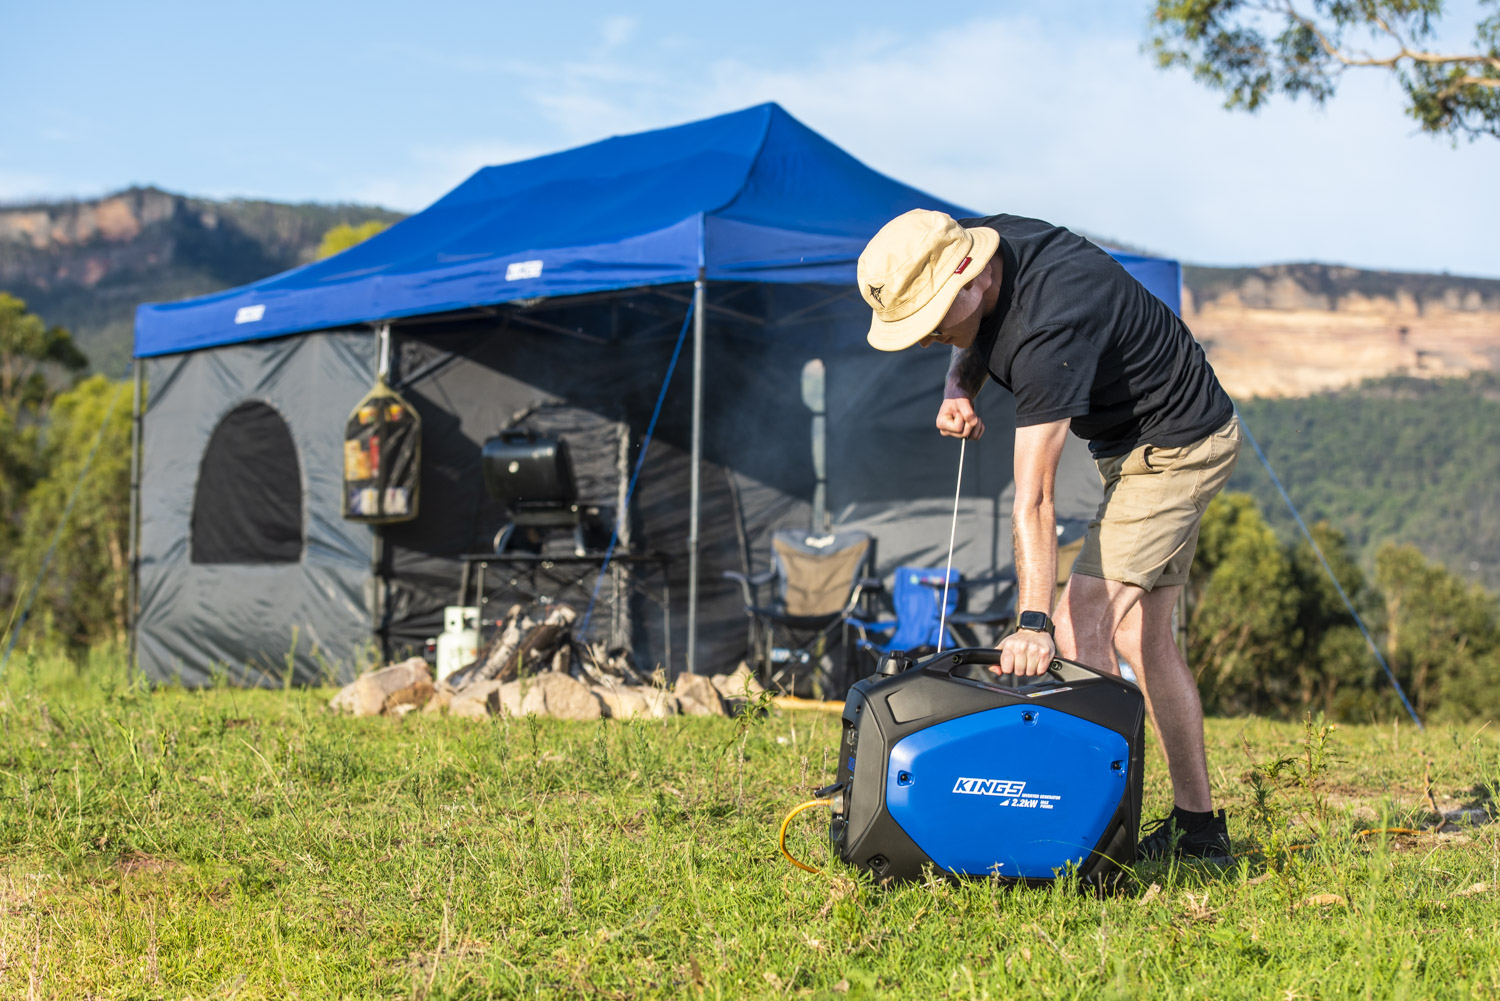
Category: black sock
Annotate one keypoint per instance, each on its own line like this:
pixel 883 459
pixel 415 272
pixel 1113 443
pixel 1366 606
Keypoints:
pixel 1190 822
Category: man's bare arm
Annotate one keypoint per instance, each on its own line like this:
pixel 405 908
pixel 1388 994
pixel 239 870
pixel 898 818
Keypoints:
pixel 957 417
pixel 1034 514
pixel 966 374
pixel 1034 529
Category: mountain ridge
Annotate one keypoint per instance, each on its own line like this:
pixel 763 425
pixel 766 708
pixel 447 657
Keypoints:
pixel 1276 330
pixel 85 264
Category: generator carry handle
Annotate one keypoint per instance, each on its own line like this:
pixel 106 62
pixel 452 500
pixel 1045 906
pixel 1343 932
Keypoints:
pixel 957 664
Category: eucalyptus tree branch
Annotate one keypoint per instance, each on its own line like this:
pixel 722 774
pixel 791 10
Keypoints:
pixel 1387 62
pixel 1236 47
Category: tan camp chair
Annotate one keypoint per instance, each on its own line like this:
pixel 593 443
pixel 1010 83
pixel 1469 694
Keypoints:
pixel 799 636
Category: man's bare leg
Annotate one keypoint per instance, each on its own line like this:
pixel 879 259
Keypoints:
pixel 1088 614
pixel 1146 642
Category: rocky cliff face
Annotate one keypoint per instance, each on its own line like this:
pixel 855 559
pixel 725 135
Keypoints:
pixel 113 220
pixel 1295 329
pixel 86 265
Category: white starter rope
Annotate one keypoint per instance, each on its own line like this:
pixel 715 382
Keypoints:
pixel 952 535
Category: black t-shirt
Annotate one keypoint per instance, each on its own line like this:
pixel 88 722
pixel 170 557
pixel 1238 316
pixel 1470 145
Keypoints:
pixel 1075 336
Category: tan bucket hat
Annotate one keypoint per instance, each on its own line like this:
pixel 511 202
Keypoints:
pixel 912 270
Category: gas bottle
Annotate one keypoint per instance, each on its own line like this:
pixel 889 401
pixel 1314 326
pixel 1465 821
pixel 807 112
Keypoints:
pixel 458 645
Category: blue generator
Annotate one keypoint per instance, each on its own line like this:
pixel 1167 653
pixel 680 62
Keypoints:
pixel 945 765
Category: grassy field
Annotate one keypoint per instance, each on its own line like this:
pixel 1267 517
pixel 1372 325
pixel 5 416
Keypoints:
pixel 235 844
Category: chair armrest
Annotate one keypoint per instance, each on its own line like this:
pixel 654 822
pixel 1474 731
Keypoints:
pixel 750 585
pixel 861 598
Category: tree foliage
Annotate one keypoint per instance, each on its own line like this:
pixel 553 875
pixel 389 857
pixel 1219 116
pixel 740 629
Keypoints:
pixel 343 236
pixel 1253 49
pixel 1270 634
pixel 1444 635
pixel 82 600
pixel 35 362
pixel 49 423
pixel 33 356
pixel 1243 621
pixel 1333 666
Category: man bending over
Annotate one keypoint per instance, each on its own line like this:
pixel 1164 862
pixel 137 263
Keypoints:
pixel 1082 346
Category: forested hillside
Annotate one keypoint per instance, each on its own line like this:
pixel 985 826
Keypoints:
pixel 1400 459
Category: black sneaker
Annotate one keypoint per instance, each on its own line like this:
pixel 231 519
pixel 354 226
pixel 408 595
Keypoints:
pixel 1169 836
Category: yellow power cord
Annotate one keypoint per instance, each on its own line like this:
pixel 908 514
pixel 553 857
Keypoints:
pixel 787 820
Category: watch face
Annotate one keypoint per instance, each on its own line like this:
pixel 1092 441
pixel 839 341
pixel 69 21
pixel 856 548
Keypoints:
pixel 1034 620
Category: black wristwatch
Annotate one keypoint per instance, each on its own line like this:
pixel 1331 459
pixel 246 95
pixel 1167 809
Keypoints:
pixel 1037 622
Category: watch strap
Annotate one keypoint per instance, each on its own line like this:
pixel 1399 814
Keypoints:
pixel 1039 622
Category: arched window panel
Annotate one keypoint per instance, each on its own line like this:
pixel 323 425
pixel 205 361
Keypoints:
pixel 247 507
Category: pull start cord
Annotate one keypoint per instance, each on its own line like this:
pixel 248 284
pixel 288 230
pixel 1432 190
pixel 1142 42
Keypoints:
pixel 952 535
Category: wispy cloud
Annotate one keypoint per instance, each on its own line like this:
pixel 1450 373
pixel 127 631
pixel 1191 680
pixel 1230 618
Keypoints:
pixel 1010 114
pixel 1006 115
pixel 430 172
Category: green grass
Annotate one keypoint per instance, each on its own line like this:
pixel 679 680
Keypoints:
pixel 249 844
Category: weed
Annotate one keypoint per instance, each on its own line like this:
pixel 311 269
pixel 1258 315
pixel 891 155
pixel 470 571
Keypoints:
pixel 599 751
pixel 289 661
pixel 1291 788
pixel 534 734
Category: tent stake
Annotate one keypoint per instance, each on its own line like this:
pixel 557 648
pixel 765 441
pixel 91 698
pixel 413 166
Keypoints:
pixel 699 295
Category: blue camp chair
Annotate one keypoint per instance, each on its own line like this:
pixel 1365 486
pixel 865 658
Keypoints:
pixel 798 610
pixel 916 598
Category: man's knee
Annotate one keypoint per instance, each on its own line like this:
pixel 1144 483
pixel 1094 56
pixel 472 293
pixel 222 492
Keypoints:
pixel 1151 628
pixel 1129 637
pixel 1096 607
pixel 1158 609
pixel 1083 605
pixel 1088 617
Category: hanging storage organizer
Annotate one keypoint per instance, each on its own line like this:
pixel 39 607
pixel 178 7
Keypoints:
pixel 382 458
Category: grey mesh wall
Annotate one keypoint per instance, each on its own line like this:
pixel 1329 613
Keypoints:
pixel 594 362
pixel 240 609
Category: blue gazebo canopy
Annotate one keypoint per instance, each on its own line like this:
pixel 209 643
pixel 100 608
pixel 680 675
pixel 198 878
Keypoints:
pixel 754 195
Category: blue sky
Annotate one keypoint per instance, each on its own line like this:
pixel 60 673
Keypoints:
pixel 1045 109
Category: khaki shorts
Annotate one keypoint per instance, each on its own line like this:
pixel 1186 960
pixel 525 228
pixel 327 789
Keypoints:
pixel 1146 530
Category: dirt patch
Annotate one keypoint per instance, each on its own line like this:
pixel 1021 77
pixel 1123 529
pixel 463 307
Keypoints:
pixel 139 863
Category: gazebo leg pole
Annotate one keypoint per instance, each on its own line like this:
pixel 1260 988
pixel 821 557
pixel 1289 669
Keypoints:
pixel 695 496
pixel 133 560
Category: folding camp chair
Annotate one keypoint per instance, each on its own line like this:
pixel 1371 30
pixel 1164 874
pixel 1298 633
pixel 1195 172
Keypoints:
pixel 798 640
pixel 917 599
